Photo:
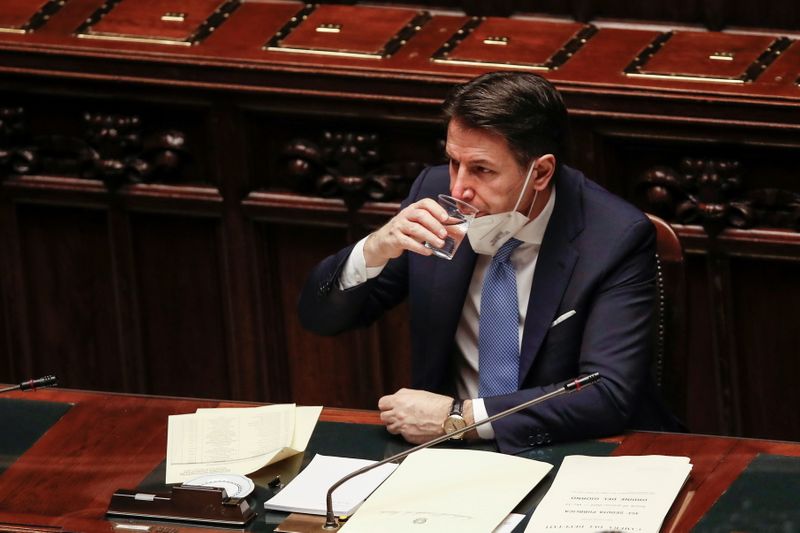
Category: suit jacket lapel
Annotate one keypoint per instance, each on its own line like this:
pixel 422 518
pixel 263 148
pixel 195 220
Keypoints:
pixel 554 266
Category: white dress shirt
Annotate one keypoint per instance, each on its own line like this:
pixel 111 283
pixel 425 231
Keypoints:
pixel 523 258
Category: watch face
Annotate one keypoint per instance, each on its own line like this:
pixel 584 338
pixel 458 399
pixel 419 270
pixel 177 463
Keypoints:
pixel 454 423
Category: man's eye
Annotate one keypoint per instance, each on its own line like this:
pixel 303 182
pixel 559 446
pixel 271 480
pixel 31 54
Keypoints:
pixel 484 170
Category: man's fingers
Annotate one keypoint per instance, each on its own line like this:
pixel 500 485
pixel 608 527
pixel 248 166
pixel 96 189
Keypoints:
pixel 415 246
pixel 421 226
pixel 433 207
pixel 429 221
pixel 417 233
pixel 386 402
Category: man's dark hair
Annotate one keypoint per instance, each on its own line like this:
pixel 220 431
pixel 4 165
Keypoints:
pixel 522 107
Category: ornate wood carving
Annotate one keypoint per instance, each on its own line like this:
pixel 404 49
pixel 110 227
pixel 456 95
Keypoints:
pixel 113 150
pixel 15 158
pixel 118 151
pixel 711 193
pixel 346 165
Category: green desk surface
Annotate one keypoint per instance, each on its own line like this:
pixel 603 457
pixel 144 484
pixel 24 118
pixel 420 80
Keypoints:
pixel 764 498
pixel 22 423
pixel 373 442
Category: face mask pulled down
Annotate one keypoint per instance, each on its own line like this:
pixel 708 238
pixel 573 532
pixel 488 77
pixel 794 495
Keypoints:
pixel 489 232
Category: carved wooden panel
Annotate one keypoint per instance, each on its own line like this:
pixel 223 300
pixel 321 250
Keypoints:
pixel 23 16
pixel 704 56
pixel 157 21
pixel 356 160
pixel 85 139
pixel 347 31
pixel 506 43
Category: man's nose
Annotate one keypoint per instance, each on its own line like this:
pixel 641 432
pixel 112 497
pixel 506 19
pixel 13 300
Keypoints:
pixel 460 187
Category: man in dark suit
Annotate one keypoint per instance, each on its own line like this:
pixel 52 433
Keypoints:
pixel 576 279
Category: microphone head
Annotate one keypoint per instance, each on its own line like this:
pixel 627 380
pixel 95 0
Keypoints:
pixel 579 383
pixel 47 381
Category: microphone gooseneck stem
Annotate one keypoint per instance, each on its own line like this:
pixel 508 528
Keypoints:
pixel 574 385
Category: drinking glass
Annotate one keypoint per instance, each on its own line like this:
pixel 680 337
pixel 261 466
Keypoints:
pixel 460 214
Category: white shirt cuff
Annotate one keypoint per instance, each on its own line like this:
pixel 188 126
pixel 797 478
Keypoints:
pixel 355 270
pixel 485 431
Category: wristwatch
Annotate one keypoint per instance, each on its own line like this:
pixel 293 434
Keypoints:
pixel 455 420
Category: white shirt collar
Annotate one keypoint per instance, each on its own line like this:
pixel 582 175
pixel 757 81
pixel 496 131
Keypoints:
pixel 533 231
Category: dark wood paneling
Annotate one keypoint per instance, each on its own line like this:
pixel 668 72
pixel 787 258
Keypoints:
pixel 180 305
pixel 703 390
pixel 338 371
pixel 68 287
pixel 267 161
pixel 395 345
pixel 713 14
pixel 7 366
pixel 765 300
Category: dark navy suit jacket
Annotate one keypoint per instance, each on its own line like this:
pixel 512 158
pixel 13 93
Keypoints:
pixel 597 258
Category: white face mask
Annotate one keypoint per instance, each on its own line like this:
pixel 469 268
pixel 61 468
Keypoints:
pixel 489 232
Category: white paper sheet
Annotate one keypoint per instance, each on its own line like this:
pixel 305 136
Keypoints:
pixel 437 490
pixel 307 492
pixel 626 493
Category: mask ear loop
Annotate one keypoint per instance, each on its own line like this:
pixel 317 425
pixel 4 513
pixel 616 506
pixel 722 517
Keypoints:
pixel 533 203
pixel 525 186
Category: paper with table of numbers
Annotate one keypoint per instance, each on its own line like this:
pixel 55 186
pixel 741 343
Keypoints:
pixel 236 440
pixel 626 493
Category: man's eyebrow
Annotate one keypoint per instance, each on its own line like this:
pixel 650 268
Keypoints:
pixel 473 162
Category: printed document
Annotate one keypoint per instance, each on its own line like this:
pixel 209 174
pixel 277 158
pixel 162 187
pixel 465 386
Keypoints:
pixel 307 492
pixel 237 440
pixel 435 490
pixel 626 493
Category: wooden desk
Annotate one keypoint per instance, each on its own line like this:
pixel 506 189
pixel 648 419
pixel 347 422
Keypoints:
pixel 110 441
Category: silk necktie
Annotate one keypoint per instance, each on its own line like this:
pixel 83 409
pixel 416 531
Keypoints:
pixel 498 326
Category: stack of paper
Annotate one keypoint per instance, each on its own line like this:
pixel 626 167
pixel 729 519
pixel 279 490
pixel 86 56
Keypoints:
pixel 627 493
pixel 308 490
pixel 437 490
pixel 236 440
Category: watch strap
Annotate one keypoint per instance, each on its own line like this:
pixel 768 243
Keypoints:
pixel 458 408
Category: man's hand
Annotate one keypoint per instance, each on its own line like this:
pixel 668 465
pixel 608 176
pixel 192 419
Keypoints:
pixel 417 223
pixel 417 415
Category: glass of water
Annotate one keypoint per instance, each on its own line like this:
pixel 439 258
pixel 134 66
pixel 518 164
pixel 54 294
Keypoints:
pixel 460 214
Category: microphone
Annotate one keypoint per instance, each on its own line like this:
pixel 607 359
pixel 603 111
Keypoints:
pixel 573 386
pixel 40 383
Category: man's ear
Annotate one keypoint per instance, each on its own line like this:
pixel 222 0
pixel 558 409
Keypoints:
pixel 544 172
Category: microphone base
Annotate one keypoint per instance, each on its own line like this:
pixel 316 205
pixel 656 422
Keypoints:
pixel 305 523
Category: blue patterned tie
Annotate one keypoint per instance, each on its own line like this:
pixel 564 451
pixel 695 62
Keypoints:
pixel 498 327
